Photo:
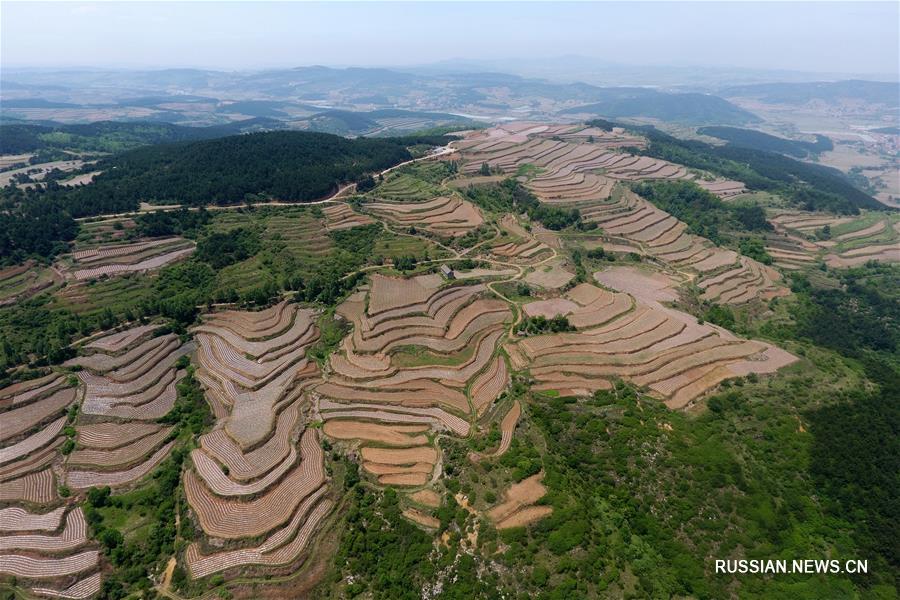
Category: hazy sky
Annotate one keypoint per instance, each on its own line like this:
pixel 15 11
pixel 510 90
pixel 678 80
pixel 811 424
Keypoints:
pixel 851 37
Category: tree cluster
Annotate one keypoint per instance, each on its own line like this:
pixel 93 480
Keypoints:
pixel 511 196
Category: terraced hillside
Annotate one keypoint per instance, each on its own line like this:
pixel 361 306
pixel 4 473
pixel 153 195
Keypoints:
pixel 26 280
pixel 405 186
pixel 569 177
pixel 804 239
pixel 518 507
pixel 342 216
pixel 637 339
pixel 569 172
pixel 129 382
pixel 258 478
pixel 518 244
pixel 115 259
pixel 444 368
pixel 422 359
pixel 44 540
pixel 448 216
pixel 106 231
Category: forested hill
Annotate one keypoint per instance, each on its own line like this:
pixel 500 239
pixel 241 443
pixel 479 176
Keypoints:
pixel 697 109
pixel 113 136
pixel 283 165
pixel 832 92
pixel 286 165
pixel 808 186
pixel 750 138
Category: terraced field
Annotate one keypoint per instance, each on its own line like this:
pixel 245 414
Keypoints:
pixel 800 239
pixel 304 235
pixel 115 259
pixel 553 275
pixel 421 361
pixel 402 186
pixel 584 175
pixel 567 172
pixel 446 216
pixel 298 240
pixel 723 189
pixel 92 297
pixel 33 414
pixel 342 216
pixel 107 231
pixel 43 538
pixel 640 340
pixel 724 276
pixel 616 138
pixel 26 280
pixel 507 428
pixel 258 477
pixel 129 379
pixel 517 244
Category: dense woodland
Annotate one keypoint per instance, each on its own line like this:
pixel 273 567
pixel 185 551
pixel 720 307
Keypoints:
pixel 113 136
pixel 284 166
pixel 704 213
pixel 288 166
pixel 34 227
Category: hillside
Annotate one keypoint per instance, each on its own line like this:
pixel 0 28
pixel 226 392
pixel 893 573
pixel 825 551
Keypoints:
pixel 757 140
pixel 814 187
pixel 695 109
pixel 287 166
pixel 832 92
pixel 112 136
pixel 542 364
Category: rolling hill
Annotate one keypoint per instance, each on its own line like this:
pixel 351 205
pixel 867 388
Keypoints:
pixel 757 140
pixel 696 109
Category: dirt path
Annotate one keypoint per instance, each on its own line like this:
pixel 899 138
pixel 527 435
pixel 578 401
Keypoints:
pixel 481 243
pixel 167 574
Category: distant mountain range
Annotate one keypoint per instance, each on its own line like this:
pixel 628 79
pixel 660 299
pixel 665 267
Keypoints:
pixel 202 97
pixel 872 92
pixel 304 97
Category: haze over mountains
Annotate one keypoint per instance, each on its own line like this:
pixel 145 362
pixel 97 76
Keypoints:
pixel 304 95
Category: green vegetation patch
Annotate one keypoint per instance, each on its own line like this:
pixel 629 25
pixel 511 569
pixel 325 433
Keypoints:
pixel 809 186
pixel 417 356
pixel 757 140
pixel 512 196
